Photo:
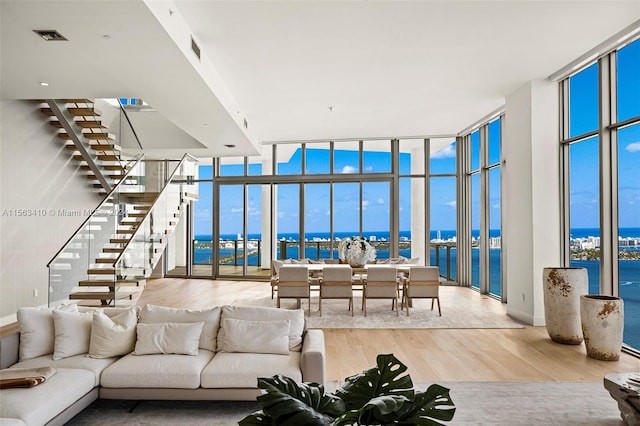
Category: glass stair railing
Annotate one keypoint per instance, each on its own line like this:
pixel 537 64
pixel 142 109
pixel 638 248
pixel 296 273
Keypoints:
pixel 107 261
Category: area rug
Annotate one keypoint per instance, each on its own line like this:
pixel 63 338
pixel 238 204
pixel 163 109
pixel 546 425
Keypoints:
pixel 457 312
pixel 477 403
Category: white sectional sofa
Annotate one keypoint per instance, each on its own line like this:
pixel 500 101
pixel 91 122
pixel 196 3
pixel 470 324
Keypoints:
pixel 155 353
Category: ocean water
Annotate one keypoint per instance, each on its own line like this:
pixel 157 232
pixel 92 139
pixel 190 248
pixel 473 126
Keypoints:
pixel 629 271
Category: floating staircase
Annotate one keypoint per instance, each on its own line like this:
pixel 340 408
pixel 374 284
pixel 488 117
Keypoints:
pixel 80 126
pixel 111 255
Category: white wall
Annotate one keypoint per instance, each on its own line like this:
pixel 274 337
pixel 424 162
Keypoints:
pixel 531 198
pixel 36 173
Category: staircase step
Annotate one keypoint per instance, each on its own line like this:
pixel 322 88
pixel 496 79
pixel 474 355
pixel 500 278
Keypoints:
pixel 55 123
pixel 90 124
pixel 92 295
pixel 107 283
pixel 105 147
pixel 112 250
pixel 101 136
pixel 78 101
pixel 137 214
pixel 106 260
pixel 119 240
pixel 84 112
pixel 101 271
pixel 141 207
pixel 125 231
pixel 85 168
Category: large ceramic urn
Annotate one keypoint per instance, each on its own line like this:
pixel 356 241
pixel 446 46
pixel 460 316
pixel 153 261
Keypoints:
pixel 562 290
pixel 602 320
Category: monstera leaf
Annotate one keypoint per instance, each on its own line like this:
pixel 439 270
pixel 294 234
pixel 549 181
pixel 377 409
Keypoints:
pixel 289 403
pixel 381 395
pixel 383 380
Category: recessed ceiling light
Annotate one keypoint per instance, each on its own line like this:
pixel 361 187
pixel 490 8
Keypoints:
pixel 44 83
pixel 229 146
pixel 50 35
pixel 330 109
pixel 205 125
pixel 106 36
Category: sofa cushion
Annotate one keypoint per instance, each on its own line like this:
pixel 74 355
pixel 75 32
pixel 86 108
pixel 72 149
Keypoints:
pixel 37 334
pixel 262 337
pixel 113 336
pixel 38 405
pixel 241 370
pixel 96 366
pixel 295 316
pixel 72 333
pixel 210 317
pixel 168 338
pixel 156 371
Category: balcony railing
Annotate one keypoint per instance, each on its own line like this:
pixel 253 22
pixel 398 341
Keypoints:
pixel 231 252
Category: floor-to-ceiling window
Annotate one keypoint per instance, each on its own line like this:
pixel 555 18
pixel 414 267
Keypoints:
pixel 493 210
pixel 481 195
pixel 601 145
pixel 443 208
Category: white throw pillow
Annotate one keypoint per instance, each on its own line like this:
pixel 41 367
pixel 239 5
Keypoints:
pixel 37 335
pixel 210 318
pixel 296 316
pixel 113 336
pixel 168 338
pixel 258 337
pixel 73 333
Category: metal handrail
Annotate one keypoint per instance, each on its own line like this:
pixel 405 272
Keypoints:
pixel 166 185
pixel 130 124
pixel 137 160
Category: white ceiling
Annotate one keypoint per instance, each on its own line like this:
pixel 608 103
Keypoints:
pixel 387 68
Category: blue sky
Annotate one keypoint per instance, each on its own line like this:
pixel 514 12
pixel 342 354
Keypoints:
pixel 584 210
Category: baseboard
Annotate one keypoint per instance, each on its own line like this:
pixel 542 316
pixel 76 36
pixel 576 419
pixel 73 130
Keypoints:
pixel 525 317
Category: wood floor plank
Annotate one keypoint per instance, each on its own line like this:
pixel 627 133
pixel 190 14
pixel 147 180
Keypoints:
pixel 518 355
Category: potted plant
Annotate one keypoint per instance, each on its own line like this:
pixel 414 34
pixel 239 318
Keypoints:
pixel 381 395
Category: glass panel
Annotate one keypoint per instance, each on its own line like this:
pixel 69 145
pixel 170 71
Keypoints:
pixel 376 216
pixel 346 157
pixel 411 241
pixel 443 225
pixel 475 230
pixel 584 213
pixel 289 159
pixel 411 157
pixel 583 101
pixel 376 156
pixel 317 221
pixel 255 166
pixel 346 207
pixel 442 158
pixel 475 150
pixel 288 221
pixel 629 231
pixel 232 166
pixel 205 172
pixel 494 142
pixel 203 231
pixel 230 244
pixel 495 246
pixel 317 158
pixel 629 81
pixel 254 241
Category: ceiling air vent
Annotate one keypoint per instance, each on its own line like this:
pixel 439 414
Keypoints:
pixel 50 35
pixel 246 124
pixel 195 48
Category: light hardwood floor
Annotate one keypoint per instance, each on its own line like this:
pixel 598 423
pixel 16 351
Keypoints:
pixel 512 355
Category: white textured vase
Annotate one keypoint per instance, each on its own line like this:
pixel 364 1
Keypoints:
pixel 602 325
pixel 562 290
